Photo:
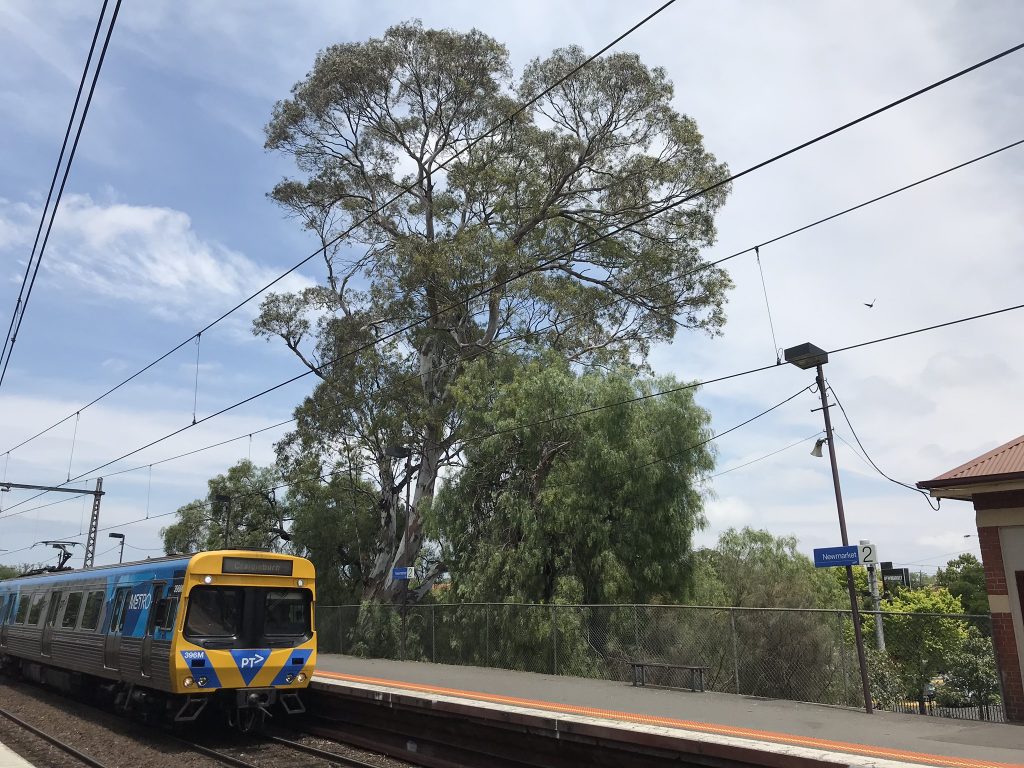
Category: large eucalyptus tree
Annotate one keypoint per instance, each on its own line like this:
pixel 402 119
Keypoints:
pixel 515 236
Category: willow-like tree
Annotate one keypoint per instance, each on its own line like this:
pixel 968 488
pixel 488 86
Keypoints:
pixel 562 229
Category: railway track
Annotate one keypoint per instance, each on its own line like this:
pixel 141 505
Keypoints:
pixel 278 756
pixel 208 746
pixel 54 741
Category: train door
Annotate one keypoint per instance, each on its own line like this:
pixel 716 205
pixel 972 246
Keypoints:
pixel 112 642
pixel 6 615
pixel 52 609
pixel 151 624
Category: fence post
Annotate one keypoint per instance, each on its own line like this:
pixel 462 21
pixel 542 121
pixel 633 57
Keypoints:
pixel 636 633
pixel 554 642
pixel 735 653
pixel 433 649
pixel 341 630
pixel 401 654
pixel 487 635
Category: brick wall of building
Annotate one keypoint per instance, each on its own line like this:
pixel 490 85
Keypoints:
pixel 1003 638
pixel 1009 666
pixel 992 558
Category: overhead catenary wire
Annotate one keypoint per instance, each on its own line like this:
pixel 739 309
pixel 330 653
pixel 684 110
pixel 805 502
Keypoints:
pixel 867 455
pixel 880 340
pixel 849 124
pixel 53 179
pixel 600 238
pixel 767 455
pixel 344 470
pixel 688 449
pixel 23 302
pixel 617 299
pixel 337 238
pixel 569 321
pixel 704 191
pixel 767 305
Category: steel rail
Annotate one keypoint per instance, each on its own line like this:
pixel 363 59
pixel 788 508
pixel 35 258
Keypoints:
pixel 323 754
pixel 77 754
pixel 215 754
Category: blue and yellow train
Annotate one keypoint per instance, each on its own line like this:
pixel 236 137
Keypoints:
pixel 169 636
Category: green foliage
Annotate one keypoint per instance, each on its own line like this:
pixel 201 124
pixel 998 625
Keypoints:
pixel 972 677
pixel 597 509
pixel 333 524
pixel 888 686
pixel 923 646
pixel 603 152
pixel 964 577
pixel 246 521
pixel 776 650
pixel 8 572
pixel 754 568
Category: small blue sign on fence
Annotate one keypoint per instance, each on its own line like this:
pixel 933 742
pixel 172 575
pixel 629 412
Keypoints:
pixel 829 557
pixel 406 574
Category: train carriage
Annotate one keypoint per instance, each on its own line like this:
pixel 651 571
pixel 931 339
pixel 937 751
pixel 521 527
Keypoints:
pixel 232 627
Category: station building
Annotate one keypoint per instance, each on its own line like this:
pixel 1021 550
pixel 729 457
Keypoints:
pixel 994 483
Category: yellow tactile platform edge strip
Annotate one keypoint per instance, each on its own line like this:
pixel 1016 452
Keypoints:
pixel 691 725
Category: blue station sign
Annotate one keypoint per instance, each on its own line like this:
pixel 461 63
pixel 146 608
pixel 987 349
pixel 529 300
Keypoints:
pixel 830 557
pixel 403 574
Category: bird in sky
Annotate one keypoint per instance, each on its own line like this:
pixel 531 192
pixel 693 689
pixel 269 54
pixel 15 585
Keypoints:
pixel 869 306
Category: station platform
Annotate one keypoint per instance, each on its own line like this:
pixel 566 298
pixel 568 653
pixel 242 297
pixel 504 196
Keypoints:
pixel 11 759
pixel 828 735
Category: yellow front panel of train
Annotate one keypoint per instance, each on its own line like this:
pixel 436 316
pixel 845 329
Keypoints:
pixel 209 670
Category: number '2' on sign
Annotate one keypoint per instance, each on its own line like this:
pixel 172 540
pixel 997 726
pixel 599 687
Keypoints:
pixel 868 553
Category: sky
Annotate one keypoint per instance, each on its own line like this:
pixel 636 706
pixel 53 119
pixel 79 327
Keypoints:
pixel 165 224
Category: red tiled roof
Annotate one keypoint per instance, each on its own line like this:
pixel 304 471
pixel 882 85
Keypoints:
pixel 1003 462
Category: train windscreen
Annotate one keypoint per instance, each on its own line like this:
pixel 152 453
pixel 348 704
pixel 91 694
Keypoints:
pixel 247 617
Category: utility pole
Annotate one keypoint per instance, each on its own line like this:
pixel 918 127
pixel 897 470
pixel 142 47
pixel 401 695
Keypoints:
pixel 94 521
pixel 94 525
pixel 807 356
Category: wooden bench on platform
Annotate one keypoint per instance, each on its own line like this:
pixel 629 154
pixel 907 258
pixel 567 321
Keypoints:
pixel 640 672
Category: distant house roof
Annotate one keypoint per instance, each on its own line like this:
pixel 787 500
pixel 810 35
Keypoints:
pixel 1003 463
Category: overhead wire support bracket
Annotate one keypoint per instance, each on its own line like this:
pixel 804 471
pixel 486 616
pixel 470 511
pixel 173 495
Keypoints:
pixel 94 522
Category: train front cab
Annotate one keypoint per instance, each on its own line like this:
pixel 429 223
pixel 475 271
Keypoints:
pixel 245 635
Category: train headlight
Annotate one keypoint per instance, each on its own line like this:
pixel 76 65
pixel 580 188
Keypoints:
pixel 188 682
pixel 301 583
pixel 208 580
pixel 288 678
pixel 201 682
pixel 301 677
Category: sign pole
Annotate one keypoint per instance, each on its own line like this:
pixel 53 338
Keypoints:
pixel 854 608
pixel 877 603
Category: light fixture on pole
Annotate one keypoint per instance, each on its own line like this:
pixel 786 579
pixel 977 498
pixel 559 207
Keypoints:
pixel 806 356
pixel 816 450
pixel 120 557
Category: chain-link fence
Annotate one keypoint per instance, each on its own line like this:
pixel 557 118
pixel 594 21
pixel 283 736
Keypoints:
pixel 932 663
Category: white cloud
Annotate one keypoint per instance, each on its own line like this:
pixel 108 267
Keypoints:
pixel 148 256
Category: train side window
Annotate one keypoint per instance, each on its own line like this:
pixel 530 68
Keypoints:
pixel 36 609
pixel 91 612
pixel 166 612
pixel 56 599
pixel 119 602
pixel 23 603
pixel 71 609
pixel 5 604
